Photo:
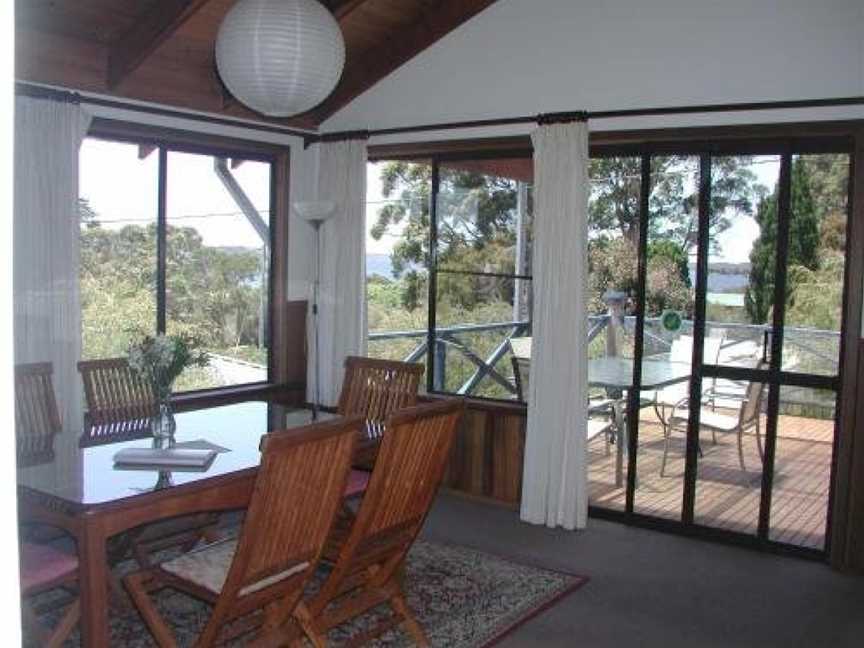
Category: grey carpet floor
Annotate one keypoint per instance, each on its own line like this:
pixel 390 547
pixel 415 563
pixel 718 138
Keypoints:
pixel 653 589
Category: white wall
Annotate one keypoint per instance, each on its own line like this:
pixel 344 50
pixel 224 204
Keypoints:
pixel 522 57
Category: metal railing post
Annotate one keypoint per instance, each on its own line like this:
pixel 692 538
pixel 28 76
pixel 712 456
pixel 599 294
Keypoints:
pixel 440 378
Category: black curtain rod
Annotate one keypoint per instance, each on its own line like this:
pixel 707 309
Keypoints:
pixel 33 90
pixel 42 92
pixel 562 117
pixel 544 118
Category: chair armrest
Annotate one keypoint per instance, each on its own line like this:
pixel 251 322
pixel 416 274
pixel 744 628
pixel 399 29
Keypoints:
pixel 684 404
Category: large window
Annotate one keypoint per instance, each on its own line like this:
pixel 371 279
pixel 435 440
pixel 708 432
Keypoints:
pixel 177 242
pixel 450 283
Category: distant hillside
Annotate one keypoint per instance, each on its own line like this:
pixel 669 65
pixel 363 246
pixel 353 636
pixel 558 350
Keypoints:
pixel 237 249
pixel 730 268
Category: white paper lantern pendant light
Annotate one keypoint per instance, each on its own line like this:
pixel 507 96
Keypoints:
pixel 280 57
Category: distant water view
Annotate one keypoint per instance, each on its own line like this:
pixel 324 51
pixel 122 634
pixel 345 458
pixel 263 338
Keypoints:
pixel 723 278
pixel 379 264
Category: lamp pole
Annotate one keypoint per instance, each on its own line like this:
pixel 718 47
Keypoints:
pixel 315 213
pixel 316 224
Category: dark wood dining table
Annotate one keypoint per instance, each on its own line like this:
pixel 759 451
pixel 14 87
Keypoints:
pixel 80 490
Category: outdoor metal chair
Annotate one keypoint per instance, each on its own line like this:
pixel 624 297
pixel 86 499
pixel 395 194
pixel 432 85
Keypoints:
pixel 748 418
pixel 601 417
pixel 666 399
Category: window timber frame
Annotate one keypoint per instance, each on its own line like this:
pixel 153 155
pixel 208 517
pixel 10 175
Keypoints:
pixel 171 139
pixel 845 534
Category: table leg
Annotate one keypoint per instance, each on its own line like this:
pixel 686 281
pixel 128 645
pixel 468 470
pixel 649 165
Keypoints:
pixel 93 576
pixel 620 440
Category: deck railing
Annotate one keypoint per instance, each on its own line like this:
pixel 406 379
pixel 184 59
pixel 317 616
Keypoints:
pixel 813 350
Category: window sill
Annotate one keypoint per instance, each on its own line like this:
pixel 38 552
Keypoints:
pixel 289 392
pixel 483 404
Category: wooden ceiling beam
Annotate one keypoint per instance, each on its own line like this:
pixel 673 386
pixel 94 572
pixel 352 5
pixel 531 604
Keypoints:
pixel 148 33
pixel 366 69
pixel 343 8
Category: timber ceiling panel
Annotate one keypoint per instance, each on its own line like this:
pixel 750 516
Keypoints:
pixel 162 50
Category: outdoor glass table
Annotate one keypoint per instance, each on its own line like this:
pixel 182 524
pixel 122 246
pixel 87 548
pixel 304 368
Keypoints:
pixel 81 491
pixel 615 374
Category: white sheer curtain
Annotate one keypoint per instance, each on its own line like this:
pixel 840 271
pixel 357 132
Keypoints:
pixel 342 298
pixel 48 136
pixel 554 488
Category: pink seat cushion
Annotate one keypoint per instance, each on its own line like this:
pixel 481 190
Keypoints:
pixel 42 565
pixel 358 480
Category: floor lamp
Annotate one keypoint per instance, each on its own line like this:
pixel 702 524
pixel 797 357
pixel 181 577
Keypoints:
pixel 315 213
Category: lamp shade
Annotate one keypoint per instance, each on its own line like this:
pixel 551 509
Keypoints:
pixel 314 210
pixel 280 57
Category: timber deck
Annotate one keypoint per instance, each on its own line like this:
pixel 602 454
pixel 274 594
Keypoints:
pixel 727 497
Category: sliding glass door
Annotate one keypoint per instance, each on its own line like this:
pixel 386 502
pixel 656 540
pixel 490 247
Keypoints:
pixel 736 335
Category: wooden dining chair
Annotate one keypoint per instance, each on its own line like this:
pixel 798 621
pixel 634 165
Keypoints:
pixel 374 389
pixel 44 568
pixel 300 483
pixel 368 555
pixel 119 402
pixel 521 377
pixel 119 406
pixel 37 419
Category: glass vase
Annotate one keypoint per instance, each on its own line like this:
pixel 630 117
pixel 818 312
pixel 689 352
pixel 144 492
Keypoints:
pixel 162 423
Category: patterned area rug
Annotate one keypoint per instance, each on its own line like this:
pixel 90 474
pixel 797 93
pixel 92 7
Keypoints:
pixel 462 597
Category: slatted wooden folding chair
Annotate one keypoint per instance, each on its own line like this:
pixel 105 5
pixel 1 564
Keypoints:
pixel 37 420
pixel 300 483
pixel 374 388
pixel 119 402
pixel 44 568
pixel 119 406
pixel 368 555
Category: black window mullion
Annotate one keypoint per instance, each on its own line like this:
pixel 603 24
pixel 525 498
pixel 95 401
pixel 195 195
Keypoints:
pixel 271 275
pixel 784 215
pixel 638 336
pixel 690 468
pixel 161 239
pixel 432 290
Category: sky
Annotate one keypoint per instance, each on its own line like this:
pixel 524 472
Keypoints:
pixel 374 202
pixel 196 198
pixel 734 244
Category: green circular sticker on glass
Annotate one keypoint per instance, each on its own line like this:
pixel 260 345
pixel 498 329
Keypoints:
pixel 671 320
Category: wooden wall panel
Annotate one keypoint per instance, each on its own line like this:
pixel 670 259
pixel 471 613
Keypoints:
pixel 854 550
pixel 847 511
pixel 295 342
pixel 486 460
